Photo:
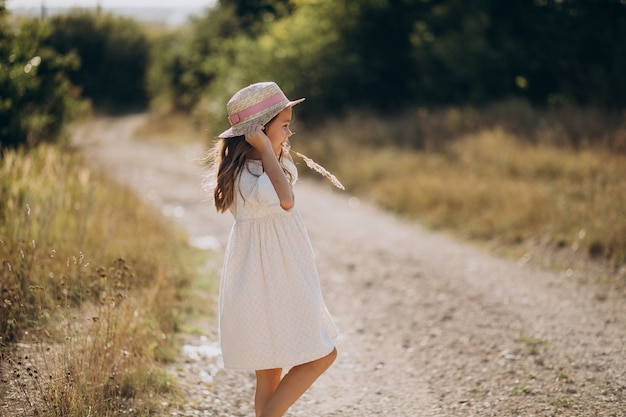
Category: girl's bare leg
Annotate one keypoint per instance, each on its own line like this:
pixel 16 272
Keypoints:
pixel 267 381
pixel 294 384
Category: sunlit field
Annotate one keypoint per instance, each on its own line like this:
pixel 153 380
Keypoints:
pixel 91 278
pixel 91 282
pixel 521 186
pixel 543 184
pixel 500 124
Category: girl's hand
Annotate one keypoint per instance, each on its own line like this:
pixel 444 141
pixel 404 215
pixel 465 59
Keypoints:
pixel 256 137
pixel 262 144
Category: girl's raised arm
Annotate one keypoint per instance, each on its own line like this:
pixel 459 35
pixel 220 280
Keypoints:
pixel 261 143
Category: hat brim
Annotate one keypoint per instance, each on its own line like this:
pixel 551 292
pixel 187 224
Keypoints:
pixel 239 129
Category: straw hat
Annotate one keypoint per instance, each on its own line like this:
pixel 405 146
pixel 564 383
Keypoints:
pixel 255 104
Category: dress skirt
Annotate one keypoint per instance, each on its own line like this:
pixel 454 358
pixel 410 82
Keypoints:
pixel 271 310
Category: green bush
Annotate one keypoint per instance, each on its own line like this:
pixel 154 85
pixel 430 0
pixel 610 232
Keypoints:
pixel 384 56
pixel 185 63
pixel 37 99
pixel 114 55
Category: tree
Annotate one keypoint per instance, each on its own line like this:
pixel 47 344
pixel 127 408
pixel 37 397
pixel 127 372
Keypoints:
pixel 253 14
pixel 114 57
pixel 384 55
pixel 37 98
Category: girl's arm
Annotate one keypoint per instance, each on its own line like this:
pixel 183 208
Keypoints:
pixel 261 143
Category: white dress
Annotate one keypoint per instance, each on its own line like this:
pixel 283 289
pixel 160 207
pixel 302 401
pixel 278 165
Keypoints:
pixel 271 310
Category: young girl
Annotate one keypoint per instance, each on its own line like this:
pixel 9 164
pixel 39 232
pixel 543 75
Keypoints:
pixel 271 312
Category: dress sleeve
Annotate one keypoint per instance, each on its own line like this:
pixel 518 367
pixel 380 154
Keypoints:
pixel 256 186
pixel 264 193
pixel 258 189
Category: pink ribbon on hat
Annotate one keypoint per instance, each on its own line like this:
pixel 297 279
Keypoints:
pixel 262 105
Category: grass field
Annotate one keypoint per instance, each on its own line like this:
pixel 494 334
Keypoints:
pixel 518 180
pixel 91 278
pixel 91 283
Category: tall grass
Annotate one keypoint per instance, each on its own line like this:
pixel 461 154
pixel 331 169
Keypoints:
pixel 509 175
pixel 90 285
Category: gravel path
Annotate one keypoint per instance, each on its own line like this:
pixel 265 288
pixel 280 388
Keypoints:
pixel 429 326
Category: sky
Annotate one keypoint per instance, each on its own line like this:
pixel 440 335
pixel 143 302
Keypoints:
pixel 12 4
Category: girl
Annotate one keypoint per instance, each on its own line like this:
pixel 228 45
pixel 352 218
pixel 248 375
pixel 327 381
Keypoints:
pixel 271 312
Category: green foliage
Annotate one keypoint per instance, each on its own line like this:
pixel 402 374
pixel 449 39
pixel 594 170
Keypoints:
pixel 562 50
pixel 114 56
pixel 252 14
pixel 184 63
pixel 383 55
pixel 46 66
pixel 37 99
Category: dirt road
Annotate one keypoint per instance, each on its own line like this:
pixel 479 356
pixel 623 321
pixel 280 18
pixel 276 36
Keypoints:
pixel 429 326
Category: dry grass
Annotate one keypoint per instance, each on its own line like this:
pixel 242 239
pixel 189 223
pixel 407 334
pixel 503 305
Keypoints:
pixel 490 186
pixel 513 178
pixel 90 284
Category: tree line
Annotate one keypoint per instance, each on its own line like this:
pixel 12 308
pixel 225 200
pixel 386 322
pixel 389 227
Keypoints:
pixel 379 55
pixel 52 70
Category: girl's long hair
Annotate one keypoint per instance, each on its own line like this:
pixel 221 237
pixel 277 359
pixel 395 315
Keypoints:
pixel 227 158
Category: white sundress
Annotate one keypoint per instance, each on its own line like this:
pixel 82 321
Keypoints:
pixel 271 310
